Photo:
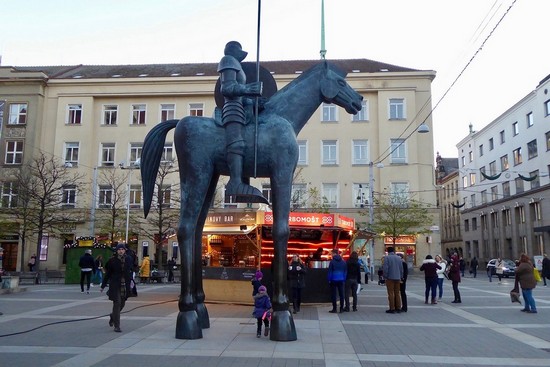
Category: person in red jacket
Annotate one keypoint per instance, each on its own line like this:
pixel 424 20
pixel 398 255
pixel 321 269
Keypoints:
pixel 430 268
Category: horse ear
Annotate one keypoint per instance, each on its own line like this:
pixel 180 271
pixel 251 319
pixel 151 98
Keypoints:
pixel 329 89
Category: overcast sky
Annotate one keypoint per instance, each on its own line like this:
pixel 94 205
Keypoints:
pixel 438 35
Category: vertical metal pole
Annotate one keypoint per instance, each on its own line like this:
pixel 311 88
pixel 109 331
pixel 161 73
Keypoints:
pixel 94 203
pixel 371 218
pixel 128 205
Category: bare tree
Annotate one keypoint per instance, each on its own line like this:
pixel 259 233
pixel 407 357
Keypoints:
pixel 43 186
pixel 162 221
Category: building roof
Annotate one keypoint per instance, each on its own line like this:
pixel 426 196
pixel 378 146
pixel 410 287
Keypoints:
pixel 200 69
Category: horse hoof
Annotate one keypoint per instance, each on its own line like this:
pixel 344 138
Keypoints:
pixel 282 327
pixel 204 319
pixel 187 326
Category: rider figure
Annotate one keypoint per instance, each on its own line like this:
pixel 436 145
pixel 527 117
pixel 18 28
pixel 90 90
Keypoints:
pixel 233 89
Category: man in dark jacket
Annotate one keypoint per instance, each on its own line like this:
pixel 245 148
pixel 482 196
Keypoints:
pixel 545 269
pixel 118 273
pixel 337 273
pixel 87 268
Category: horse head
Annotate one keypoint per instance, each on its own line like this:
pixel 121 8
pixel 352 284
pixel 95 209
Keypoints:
pixel 336 90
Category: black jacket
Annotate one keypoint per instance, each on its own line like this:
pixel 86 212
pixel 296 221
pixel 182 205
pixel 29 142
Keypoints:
pixel 115 271
pixel 87 261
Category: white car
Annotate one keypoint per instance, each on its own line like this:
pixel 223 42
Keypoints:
pixel 509 269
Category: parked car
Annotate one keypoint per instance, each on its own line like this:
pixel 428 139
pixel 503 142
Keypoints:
pixel 509 269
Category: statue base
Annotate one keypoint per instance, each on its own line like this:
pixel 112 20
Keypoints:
pixel 187 326
pixel 282 328
pixel 204 319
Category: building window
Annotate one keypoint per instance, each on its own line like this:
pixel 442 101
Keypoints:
pixel 518 159
pixel 196 109
pixel 484 197
pixel 329 112
pixel 472 179
pixel 547 108
pixel 519 185
pixel 472 200
pixel 266 191
pixel 506 189
pixel 138 114
pixel 494 219
pixel 110 114
pixel 166 196
pixel 515 128
pixel 298 196
pixel 167 153
pixel 465 182
pixel 330 195
pixel 105 197
pixel 68 197
pixel 471 156
pixel 535 183
pixel 362 115
pixel 474 224
pixel 399 192
pixel 18 114
pixel 504 163
pixel 302 153
pixel 398 151
pixel 537 211
pixel 107 154
pixel 167 111
pixel 397 108
pixel 507 216
pixel 14 152
pixel 481 150
pixel 547 141
pixel 361 195
pixel 491 144
pixel 463 161
pixel 532 149
pixel 71 153
pixel 330 152
pixel 466 225
pixel 493 168
pixel 482 173
pixel 520 214
pixel 8 195
pixel 502 137
pixel 360 152
pixel 135 152
pixel 135 196
pixel 494 193
pixel 529 118
pixel 74 114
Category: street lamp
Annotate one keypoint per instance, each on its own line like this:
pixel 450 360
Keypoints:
pixel 371 213
pixel 133 166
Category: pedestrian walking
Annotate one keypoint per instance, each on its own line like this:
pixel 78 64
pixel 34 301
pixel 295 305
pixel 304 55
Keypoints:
pixel 499 269
pixel 403 286
pixel 525 277
pixel 429 267
pixel 87 268
pixel 297 279
pixel 462 265
pixel 337 272
pixel 145 270
pixel 473 266
pixel 392 269
pixel 262 311
pixel 353 279
pixel 257 282
pixel 98 275
pixel 118 274
pixel 171 266
pixel 545 269
pixel 32 262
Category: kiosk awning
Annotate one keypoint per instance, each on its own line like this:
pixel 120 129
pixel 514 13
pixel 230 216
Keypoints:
pixel 229 229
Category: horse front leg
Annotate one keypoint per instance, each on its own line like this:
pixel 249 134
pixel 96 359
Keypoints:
pixel 282 323
pixel 187 326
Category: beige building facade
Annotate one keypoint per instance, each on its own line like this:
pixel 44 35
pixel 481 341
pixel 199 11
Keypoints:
pixel 94 120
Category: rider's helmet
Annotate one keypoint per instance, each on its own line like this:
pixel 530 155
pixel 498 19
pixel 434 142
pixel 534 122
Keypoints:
pixel 234 48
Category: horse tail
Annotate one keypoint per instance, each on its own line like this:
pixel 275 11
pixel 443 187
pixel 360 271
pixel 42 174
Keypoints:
pixel 151 154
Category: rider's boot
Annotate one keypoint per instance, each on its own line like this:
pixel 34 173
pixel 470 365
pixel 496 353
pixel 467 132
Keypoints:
pixel 243 193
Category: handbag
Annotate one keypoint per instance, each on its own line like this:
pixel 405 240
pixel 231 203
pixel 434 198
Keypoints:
pixel 537 275
pixel 514 296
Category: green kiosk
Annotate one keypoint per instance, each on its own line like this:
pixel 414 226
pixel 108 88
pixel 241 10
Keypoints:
pixel 76 250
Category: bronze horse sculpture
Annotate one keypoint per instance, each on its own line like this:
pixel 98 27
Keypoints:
pixel 200 148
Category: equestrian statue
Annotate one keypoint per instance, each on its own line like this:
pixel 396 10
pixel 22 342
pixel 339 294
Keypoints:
pixel 206 149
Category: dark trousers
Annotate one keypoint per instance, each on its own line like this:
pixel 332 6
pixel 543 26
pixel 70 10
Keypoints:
pixel 334 288
pixel 296 298
pixel 403 292
pixel 88 276
pixel 118 305
pixel 456 291
pixel 259 324
pixel 351 287
pixel 170 275
pixel 431 285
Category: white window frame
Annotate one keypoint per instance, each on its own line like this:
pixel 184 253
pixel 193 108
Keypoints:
pixel 398 149
pixel 167 111
pixel 298 196
pixel 14 152
pixel 360 152
pixel 329 152
pixel 68 196
pixel 110 114
pixel 135 152
pixel 107 157
pixel 330 194
pixel 8 194
pixel 303 157
pixel 74 114
pixel 105 196
pixel 362 115
pixel 166 196
pixel 135 196
pixel 329 112
pixel 139 114
pixel 196 109
pixel 529 118
pixel 167 153
pixel 396 109
pixel 400 192
pixel 532 149
pixel 71 150
pixel 266 191
pixel 360 195
pixel 18 113
pixel 515 128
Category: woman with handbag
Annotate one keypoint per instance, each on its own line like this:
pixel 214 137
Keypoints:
pixel 297 278
pixel 525 277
